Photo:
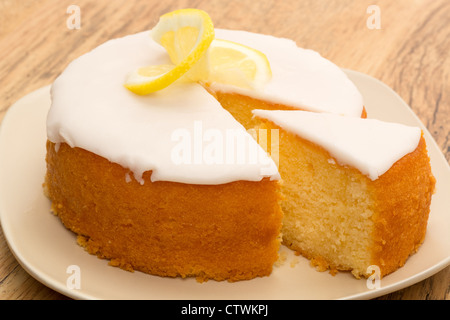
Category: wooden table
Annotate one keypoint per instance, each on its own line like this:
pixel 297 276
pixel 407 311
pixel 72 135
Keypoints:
pixel 403 43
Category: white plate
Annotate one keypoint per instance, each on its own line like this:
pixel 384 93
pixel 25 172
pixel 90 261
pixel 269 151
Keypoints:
pixel 46 249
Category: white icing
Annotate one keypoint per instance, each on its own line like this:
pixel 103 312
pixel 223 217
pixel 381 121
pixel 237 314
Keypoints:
pixel 92 110
pixel 372 146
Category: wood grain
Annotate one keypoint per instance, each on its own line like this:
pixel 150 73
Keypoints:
pixel 409 53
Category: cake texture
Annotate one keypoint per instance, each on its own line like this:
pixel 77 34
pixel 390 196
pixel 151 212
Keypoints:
pixel 351 217
pixel 174 183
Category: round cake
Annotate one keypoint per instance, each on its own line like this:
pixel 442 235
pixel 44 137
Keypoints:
pixel 188 182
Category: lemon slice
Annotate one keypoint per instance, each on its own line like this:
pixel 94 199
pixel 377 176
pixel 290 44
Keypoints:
pixel 186 34
pixel 151 78
pixel 236 64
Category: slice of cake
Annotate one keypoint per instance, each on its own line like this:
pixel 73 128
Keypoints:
pixel 358 191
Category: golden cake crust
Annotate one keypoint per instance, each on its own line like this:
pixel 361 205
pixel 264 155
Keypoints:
pixel 403 198
pixel 221 232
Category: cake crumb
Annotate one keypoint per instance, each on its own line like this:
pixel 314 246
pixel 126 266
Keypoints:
pixel 320 264
pixel 117 262
pixel 294 262
pixel 281 259
pixel 333 272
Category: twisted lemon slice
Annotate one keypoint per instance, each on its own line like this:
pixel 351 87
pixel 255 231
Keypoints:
pixel 186 35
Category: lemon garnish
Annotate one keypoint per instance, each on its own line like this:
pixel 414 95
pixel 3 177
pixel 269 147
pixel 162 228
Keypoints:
pixel 236 64
pixel 186 35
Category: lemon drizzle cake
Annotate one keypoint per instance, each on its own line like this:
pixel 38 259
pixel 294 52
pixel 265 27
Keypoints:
pixel 134 175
